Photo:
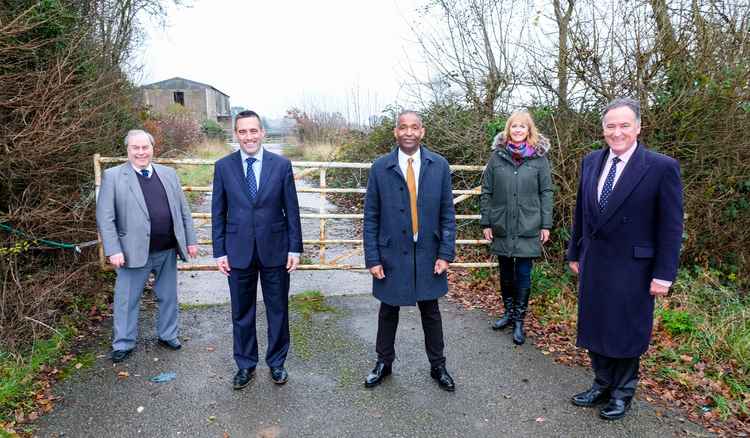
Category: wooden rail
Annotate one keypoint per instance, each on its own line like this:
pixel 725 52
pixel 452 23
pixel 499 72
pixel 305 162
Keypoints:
pixel 307 168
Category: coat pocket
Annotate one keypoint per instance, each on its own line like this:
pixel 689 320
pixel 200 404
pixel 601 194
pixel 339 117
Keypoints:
pixel 384 241
pixel 278 227
pixel 498 217
pixel 643 252
pixel 232 228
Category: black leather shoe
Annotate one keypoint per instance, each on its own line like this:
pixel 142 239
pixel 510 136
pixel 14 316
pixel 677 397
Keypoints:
pixel 243 377
pixel 443 378
pixel 376 376
pixel 174 344
pixel 120 355
pixel 589 398
pixel 279 375
pixel 615 409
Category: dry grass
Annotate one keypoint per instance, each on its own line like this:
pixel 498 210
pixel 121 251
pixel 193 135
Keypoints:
pixel 312 152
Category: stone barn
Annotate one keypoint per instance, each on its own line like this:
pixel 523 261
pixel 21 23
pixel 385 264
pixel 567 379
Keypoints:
pixel 203 100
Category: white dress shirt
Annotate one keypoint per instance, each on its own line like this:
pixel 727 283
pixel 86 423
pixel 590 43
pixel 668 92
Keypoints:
pixel 403 164
pixel 624 158
pixel 150 169
pixel 257 165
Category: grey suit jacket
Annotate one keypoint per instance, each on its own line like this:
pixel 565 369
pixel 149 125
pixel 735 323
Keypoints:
pixel 122 216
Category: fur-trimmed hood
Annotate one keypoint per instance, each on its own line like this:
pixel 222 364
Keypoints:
pixel 540 149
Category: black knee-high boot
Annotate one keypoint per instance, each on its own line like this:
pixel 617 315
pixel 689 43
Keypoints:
pixel 507 289
pixel 521 304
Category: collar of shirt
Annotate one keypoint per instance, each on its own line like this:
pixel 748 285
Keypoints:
pixel 624 157
pixel 150 169
pixel 257 165
pixel 258 155
pixel 403 162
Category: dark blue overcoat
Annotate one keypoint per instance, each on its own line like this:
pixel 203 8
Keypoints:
pixel 388 240
pixel 636 239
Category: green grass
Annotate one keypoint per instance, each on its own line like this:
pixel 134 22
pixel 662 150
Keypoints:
pixel 17 374
pixel 201 175
pixel 703 325
pixel 309 302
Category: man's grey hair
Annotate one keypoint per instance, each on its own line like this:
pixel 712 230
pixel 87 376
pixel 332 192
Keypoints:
pixel 135 132
pixel 405 112
pixel 620 102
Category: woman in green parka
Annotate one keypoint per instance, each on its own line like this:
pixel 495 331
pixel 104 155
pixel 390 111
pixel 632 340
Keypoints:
pixel 516 207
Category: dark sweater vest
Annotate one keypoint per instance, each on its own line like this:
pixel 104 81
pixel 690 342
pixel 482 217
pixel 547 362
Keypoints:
pixel 162 228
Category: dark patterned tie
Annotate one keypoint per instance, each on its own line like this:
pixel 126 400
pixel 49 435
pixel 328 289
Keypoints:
pixel 144 172
pixel 608 184
pixel 252 185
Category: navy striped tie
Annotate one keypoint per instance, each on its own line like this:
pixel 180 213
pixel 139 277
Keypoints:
pixel 608 185
pixel 252 185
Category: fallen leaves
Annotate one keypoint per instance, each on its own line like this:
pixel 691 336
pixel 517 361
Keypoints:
pixel 687 389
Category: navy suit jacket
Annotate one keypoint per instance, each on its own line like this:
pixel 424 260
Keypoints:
pixel 620 250
pixel 272 222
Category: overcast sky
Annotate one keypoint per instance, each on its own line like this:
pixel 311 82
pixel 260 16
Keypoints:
pixel 272 55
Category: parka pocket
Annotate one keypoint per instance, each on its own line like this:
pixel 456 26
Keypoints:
pixel 529 217
pixel 498 221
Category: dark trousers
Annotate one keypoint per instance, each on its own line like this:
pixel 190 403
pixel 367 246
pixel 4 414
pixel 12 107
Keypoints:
pixel 432 324
pixel 618 375
pixel 243 288
pixel 517 270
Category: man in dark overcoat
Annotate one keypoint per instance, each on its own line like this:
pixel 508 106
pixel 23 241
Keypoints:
pixel 625 247
pixel 409 239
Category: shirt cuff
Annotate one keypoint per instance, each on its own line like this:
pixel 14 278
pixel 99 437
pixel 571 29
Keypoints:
pixel 664 283
pixel 219 259
pixel 294 254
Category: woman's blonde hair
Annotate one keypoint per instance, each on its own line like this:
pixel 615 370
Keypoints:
pixel 523 116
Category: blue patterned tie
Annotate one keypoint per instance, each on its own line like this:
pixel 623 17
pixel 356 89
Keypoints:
pixel 144 172
pixel 252 185
pixel 608 183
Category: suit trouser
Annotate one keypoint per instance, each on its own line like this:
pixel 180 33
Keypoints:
pixel 618 375
pixel 432 325
pixel 243 287
pixel 128 289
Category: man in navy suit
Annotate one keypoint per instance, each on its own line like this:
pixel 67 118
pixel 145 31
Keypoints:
pixel 625 248
pixel 256 232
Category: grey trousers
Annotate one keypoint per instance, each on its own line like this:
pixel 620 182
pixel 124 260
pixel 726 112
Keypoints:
pixel 128 289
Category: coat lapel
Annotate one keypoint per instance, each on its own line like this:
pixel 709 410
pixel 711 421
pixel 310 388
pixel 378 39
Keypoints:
pixel 424 167
pixel 631 176
pixel 239 174
pixel 393 165
pixel 265 173
pixel 593 181
pixel 162 175
pixel 135 187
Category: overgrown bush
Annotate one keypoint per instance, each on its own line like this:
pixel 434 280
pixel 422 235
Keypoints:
pixel 213 130
pixel 63 98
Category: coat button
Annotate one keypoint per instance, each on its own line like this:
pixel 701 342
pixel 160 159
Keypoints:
pixel 403 231
pixel 405 253
pixel 402 210
pixel 401 188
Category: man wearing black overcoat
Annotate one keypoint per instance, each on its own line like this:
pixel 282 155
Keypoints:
pixel 409 239
pixel 625 247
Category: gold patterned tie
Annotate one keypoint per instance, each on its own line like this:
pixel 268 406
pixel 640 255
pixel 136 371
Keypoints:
pixel 411 182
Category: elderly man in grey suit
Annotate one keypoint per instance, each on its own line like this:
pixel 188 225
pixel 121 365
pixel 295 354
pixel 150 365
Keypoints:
pixel 144 221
